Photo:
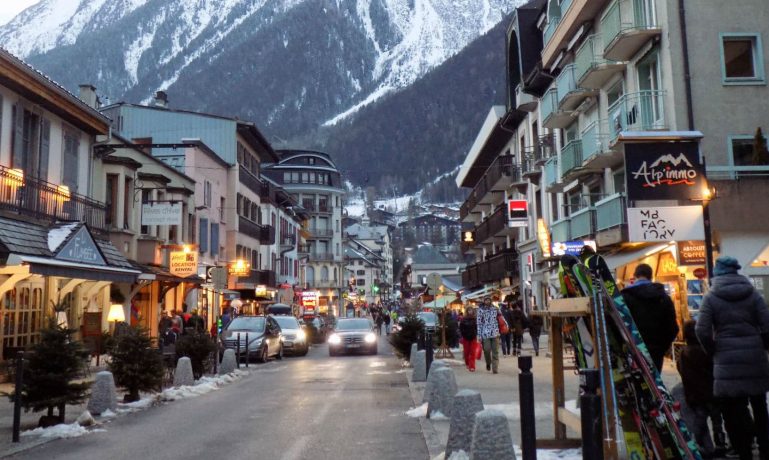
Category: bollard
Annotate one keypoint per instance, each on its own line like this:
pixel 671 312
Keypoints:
pixel 237 354
pixel 413 354
pixel 247 356
pixel 467 403
pixel 528 419
pixel 420 370
pixel 590 414
pixel 17 396
pixel 491 437
pixel 428 351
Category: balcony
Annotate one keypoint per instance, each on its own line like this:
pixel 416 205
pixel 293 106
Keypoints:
pixel 573 15
pixel 641 111
pixel 496 268
pixel 325 284
pixel 257 277
pixel 610 212
pixel 523 101
pixel 596 154
pixel 264 233
pixel 570 95
pixel 321 256
pixel 321 233
pixel 552 115
pixel 582 223
pixel 628 25
pixel 250 181
pixel 552 177
pixel 494 226
pixel 324 208
pixel 552 25
pixel 545 148
pixel 495 179
pixel 571 158
pixel 287 241
pixel 561 230
pixel 592 69
pixel 303 249
pixel 50 202
pixel 531 168
pixel 470 276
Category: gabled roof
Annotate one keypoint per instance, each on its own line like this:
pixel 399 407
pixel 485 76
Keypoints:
pixel 427 254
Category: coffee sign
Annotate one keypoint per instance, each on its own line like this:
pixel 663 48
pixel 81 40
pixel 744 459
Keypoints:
pixel 663 171
pixel 691 252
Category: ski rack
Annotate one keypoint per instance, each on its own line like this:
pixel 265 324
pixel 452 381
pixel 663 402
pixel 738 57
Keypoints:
pixel 556 311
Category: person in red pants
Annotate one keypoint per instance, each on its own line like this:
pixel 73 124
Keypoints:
pixel 468 328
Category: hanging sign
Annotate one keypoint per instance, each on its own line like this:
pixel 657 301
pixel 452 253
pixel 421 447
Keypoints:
pixel 164 213
pixel 691 253
pixel 517 213
pixel 665 223
pixel 239 268
pixel 663 171
pixel 573 248
pixel 183 263
pixel 543 235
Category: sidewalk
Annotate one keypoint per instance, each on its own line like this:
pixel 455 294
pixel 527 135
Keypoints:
pixel 500 392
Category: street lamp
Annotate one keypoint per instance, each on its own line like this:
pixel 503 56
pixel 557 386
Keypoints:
pixel 116 314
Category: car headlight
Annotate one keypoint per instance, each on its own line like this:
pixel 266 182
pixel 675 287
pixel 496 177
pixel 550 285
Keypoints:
pixel 370 338
pixel 300 336
pixel 334 339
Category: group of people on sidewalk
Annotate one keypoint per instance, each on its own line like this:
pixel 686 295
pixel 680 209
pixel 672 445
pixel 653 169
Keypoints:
pixel 724 365
pixel 174 323
pixel 484 330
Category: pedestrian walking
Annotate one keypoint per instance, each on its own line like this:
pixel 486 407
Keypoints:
pixel 378 321
pixel 517 323
pixel 506 338
pixel 386 318
pixel 488 333
pixel 535 330
pixel 653 312
pixel 468 328
pixel 696 369
pixel 732 320
pixel 197 323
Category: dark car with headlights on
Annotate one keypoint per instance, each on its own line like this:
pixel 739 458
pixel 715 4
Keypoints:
pixel 352 335
pixel 292 335
pixel 261 333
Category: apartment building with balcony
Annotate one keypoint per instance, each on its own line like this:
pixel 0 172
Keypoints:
pixel 54 240
pixel 228 220
pixel 376 239
pixel 314 182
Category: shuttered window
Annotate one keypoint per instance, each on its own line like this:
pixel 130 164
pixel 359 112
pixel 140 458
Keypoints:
pixel 45 147
pixel 203 236
pixel 214 239
pixel 70 163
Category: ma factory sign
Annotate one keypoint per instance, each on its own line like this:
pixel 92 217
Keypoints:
pixel 665 223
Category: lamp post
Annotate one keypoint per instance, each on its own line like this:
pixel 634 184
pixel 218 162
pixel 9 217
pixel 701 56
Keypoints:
pixel 116 314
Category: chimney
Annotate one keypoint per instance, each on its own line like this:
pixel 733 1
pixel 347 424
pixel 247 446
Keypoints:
pixel 161 99
pixel 88 95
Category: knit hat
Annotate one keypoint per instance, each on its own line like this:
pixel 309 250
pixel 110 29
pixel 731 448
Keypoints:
pixel 726 265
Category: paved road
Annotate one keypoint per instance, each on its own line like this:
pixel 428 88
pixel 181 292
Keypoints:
pixel 315 407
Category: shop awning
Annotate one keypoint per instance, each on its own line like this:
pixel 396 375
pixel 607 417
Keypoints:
pixel 479 294
pixel 53 267
pixel 625 257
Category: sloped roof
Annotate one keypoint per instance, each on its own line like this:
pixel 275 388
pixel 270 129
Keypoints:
pixel 428 254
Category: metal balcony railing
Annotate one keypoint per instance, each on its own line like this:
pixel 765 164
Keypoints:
pixel 321 256
pixel 640 111
pixel 321 232
pixel 571 156
pixel 549 103
pixel 249 180
pixel 610 212
pixel 561 230
pixel 595 138
pixel 624 18
pixel 502 166
pixel 551 171
pixel 582 223
pixel 42 200
pixel 566 82
pixel 552 25
pixel 590 57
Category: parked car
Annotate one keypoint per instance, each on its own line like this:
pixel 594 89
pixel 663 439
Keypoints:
pixel 430 319
pixel 261 333
pixel 293 335
pixel 316 329
pixel 353 335
pixel 279 309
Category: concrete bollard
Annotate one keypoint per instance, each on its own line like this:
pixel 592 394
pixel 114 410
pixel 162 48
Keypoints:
pixel 467 403
pixel 183 372
pixel 228 363
pixel 491 437
pixel 413 354
pixel 420 367
pixel 430 380
pixel 103 394
pixel 443 390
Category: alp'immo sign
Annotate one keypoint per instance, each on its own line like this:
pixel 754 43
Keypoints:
pixel 663 171
pixel 517 213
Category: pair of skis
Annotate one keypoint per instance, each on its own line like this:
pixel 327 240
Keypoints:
pixel 640 404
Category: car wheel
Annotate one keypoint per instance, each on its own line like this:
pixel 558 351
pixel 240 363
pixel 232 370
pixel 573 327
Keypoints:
pixel 279 356
pixel 263 356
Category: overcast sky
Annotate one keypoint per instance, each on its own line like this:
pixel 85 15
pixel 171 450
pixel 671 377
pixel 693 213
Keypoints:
pixel 10 8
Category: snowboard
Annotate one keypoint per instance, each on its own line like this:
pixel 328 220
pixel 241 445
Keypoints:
pixel 638 384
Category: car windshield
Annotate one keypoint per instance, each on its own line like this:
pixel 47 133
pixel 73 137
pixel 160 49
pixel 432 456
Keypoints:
pixel 428 317
pixel 352 324
pixel 247 323
pixel 287 322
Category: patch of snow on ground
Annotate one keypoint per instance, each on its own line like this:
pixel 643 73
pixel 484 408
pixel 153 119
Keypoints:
pixel 553 454
pixel 377 364
pixel 107 414
pixel 419 411
pixel 571 406
pixel 437 415
pixel 459 455
pixel 512 410
pixel 63 430
pixel 201 387
pixel 379 373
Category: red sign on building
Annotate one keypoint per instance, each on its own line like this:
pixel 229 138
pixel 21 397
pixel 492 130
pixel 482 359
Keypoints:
pixel 517 213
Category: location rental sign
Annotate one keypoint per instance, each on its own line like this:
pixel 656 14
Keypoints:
pixel 663 171
pixel 183 263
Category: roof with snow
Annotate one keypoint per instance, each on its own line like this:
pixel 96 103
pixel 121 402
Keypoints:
pixel 427 254
pixel 366 232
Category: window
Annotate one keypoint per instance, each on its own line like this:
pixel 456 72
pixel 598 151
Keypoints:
pixel 360 282
pixel 286 177
pixel 207 194
pixel 361 272
pixel 222 206
pixel 112 199
pixel 741 59
pixel 619 181
pixel 742 152
pixel 203 242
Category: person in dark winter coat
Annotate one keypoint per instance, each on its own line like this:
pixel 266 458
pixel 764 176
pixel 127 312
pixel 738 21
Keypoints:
pixel 468 329
pixel 696 369
pixel 731 326
pixel 535 330
pixel 505 339
pixel 653 312
pixel 517 323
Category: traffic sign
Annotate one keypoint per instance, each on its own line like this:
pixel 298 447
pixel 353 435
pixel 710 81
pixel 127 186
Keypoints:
pixel 434 281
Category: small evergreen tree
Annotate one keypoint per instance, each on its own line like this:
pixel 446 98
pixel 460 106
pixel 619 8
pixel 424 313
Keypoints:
pixel 760 152
pixel 52 366
pixel 136 365
pixel 401 341
pixel 198 347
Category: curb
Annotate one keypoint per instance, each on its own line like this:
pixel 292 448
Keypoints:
pixel 434 446
pixel 21 447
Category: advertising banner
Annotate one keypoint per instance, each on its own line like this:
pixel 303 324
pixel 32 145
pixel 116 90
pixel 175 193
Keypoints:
pixel 162 213
pixel 573 248
pixel 691 253
pixel 665 223
pixel 663 171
